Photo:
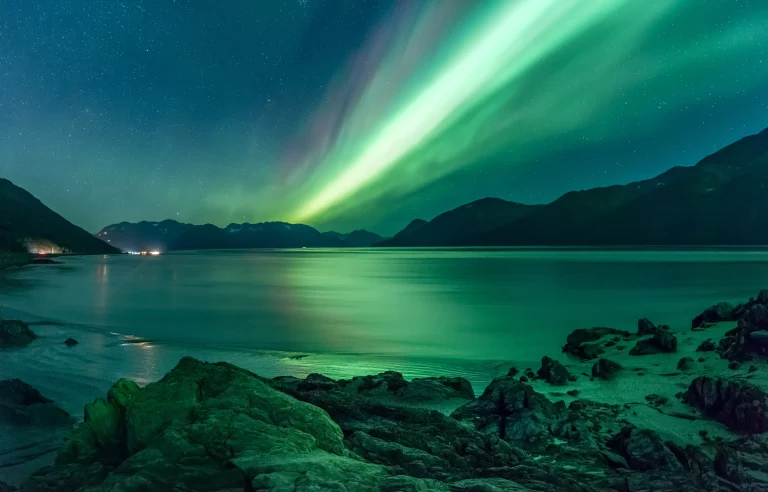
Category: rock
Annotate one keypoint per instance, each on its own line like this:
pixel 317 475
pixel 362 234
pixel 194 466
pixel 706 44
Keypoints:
pixel 21 404
pixel 14 333
pixel 614 460
pixel 727 465
pixel 529 373
pixel 685 364
pixel 644 450
pixel 5 487
pixel 321 471
pixel 656 400
pixel 585 342
pixel 752 368
pixel 44 261
pixel 697 463
pixel 201 427
pixel 759 341
pixel 572 392
pixel 424 442
pixel 389 385
pixel 757 316
pixel 573 378
pixel 645 327
pixel 429 389
pixel 513 371
pixel 70 342
pixel 553 371
pixel 736 404
pixel 734 365
pixel 722 311
pixel 743 342
pixel 606 369
pixel 523 379
pixel 706 346
pixel 103 434
pixel 219 428
pixel 514 412
pixel 662 341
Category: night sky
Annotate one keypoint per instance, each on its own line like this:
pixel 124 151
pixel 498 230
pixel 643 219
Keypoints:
pixel 347 114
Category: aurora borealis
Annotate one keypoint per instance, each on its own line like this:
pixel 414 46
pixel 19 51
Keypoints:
pixel 346 114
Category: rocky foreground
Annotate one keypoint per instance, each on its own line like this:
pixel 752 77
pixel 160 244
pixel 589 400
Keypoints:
pixel 217 427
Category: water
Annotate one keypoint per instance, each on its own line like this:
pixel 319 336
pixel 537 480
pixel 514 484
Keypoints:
pixel 471 313
pixel 441 303
pixel 352 312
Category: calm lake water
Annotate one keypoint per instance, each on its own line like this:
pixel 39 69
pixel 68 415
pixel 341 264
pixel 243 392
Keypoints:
pixel 479 304
pixel 469 313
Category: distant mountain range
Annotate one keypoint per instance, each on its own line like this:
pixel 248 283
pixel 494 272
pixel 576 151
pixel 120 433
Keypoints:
pixel 28 225
pixel 722 200
pixel 171 235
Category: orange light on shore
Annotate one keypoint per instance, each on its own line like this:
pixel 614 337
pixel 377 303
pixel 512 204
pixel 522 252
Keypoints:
pixel 154 253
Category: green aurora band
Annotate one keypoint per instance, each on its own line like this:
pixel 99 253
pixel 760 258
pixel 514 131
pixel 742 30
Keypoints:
pixel 504 76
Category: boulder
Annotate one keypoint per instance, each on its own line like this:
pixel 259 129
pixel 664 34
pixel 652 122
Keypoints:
pixel 655 400
pixel 102 436
pixel 757 316
pixel 606 369
pixel 514 412
pixel 645 327
pixel 722 311
pixel 685 364
pixel 15 333
pixel 586 343
pixel 662 341
pixel 190 431
pixel 744 342
pixel 758 341
pixel 389 385
pixel 553 371
pixel 21 404
pixel 424 442
pixel 644 450
pixel 70 342
pixel 736 404
pixel 706 346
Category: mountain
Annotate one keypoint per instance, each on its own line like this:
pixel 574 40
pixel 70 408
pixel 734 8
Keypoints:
pixel 460 225
pixel 355 239
pixel 28 225
pixel 171 235
pixel 723 199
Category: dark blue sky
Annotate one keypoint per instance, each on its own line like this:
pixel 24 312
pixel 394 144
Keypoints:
pixel 243 111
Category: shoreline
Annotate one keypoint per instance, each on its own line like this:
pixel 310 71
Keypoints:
pixel 634 396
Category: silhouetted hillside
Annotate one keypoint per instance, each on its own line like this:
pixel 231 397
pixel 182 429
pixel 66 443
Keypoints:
pixel 461 224
pixel 720 200
pixel 27 224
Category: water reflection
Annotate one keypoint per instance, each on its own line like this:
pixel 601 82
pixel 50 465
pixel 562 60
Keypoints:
pixel 486 304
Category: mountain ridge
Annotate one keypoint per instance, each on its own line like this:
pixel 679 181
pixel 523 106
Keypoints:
pixel 700 204
pixel 27 224
pixel 170 235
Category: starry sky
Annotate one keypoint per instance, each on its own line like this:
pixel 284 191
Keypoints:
pixel 347 114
